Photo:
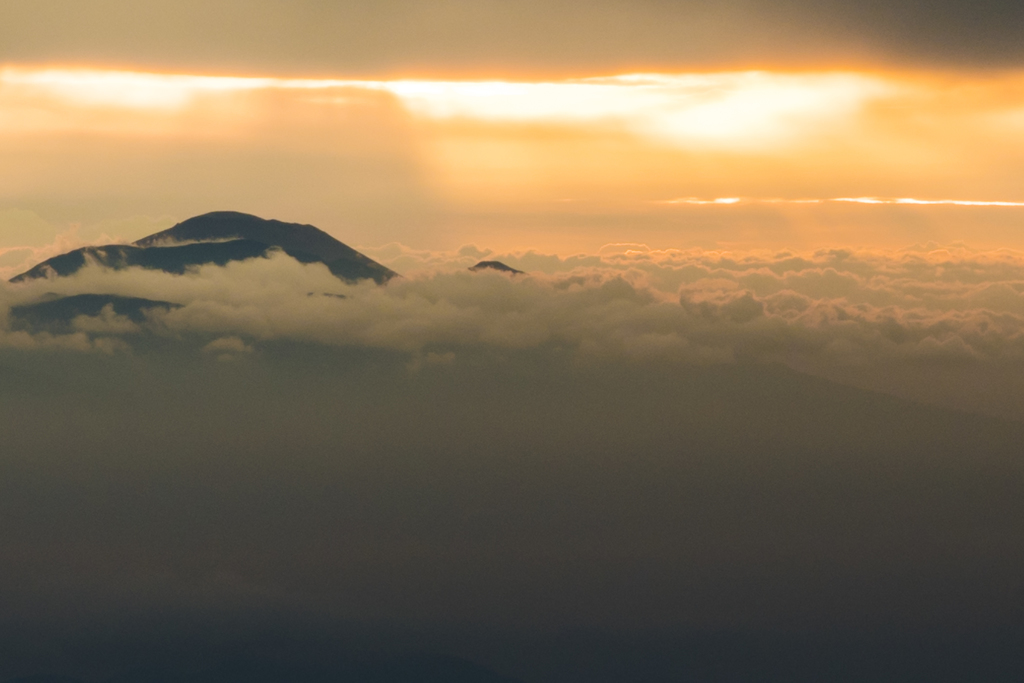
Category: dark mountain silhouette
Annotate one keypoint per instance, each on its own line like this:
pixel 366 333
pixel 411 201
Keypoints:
pixel 495 265
pixel 55 314
pixel 220 238
pixel 175 260
pixel 303 242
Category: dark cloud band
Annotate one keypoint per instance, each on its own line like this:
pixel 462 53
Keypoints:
pixel 358 36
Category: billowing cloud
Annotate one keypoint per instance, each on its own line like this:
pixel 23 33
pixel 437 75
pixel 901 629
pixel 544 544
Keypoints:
pixel 883 303
pixel 834 309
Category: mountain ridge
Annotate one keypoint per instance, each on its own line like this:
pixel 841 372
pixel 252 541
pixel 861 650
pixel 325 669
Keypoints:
pixel 218 238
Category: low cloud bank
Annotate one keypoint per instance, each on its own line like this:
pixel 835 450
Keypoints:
pixel 923 305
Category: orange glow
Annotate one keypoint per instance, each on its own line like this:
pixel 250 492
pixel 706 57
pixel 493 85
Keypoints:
pixel 131 90
pixel 738 157
pixel 744 110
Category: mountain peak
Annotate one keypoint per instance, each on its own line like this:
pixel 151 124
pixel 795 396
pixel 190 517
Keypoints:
pixel 304 242
pixel 218 238
pixel 496 265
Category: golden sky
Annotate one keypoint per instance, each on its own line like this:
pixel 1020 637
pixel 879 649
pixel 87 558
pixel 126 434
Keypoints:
pixel 753 158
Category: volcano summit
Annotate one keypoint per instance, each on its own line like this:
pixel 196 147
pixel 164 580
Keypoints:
pixel 219 238
pixel 216 238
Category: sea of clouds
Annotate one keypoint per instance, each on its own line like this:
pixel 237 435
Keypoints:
pixel 691 306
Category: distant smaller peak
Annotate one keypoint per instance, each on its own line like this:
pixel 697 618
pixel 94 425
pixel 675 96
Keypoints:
pixel 496 265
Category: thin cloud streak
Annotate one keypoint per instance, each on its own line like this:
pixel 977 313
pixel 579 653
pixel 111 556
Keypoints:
pixel 731 201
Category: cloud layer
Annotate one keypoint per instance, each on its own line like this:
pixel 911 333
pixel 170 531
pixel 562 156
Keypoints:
pixel 833 311
pixel 919 303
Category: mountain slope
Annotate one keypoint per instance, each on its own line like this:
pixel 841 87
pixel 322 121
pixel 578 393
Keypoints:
pixel 57 314
pixel 219 238
pixel 293 238
pixel 496 265
pixel 176 259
